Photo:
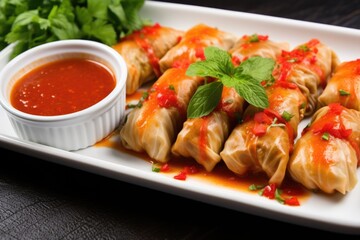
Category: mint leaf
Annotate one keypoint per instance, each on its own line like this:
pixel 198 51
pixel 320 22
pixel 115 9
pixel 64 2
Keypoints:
pixel 205 69
pixel 205 100
pixel 252 91
pixel 221 57
pixel 245 79
pixel 257 67
pixel 217 64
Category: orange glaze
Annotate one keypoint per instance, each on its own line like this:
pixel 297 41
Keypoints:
pixel 251 43
pixel 321 153
pixel 332 124
pixel 346 78
pixel 279 92
pixel 228 96
pixel 62 87
pixel 220 176
pixel 163 89
pixel 276 96
pixel 305 54
pixel 142 38
pixel 192 45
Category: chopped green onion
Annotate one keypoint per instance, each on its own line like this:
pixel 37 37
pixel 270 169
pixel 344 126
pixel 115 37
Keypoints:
pixel 287 116
pixel 325 136
pixel 343 92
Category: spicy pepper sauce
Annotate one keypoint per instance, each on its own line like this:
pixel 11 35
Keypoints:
pixel 62 87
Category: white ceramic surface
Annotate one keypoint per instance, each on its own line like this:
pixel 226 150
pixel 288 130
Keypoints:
pixel 333 213
pixel 75 130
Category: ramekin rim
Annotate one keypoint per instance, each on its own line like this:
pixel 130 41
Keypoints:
pixel 111 97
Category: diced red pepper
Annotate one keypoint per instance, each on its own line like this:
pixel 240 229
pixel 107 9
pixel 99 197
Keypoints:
pixel 259 129
pixel 262 117
pixel 335 108
pixel 269 191
pixel 292 201
pixel 199 53
pixel 166 97
pixel 181 176
pixel 165 168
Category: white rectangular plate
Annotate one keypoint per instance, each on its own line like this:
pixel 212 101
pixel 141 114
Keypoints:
pixel 335 213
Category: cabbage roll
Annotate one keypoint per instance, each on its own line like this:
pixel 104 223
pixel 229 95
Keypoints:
pixel 263 142
pixel 256 45
pixel 142 50
pixel 153 127
pixel 286 99
pixel 344 86
pixel 203 138
pixel 192 45
pixel 309 66
pixel 326 156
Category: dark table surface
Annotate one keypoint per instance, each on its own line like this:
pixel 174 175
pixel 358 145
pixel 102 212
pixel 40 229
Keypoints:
pixel 43 200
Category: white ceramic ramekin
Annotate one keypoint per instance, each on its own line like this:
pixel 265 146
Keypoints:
pixel 75 130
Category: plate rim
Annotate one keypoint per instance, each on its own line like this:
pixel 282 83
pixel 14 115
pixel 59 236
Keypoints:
pixel 108 169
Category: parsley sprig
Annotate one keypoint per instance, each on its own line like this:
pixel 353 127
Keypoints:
pixel 31 23
pixel 245 79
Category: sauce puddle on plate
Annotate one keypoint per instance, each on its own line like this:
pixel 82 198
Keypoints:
pixel 185 168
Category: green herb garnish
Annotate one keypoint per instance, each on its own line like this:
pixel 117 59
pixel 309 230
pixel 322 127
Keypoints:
pixel 343 92
pixel 254 38
pixel 304 48
pixel 139 104
pixel 287 116
pixel 155 167
pixel 278 196
pixel 31 23
pixel 245 79
pixel 325 136
pixel 254 187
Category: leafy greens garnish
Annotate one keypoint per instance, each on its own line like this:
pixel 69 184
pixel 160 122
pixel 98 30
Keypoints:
pixel 245 79
pixel 31 23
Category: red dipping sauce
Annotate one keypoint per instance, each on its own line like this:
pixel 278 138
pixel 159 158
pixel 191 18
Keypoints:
pixel 62 87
